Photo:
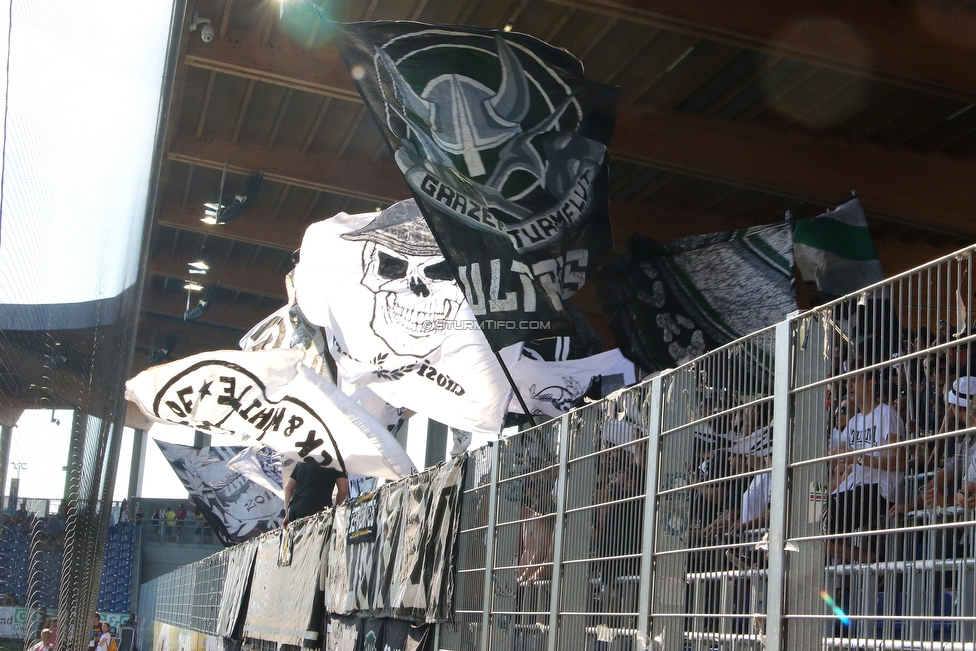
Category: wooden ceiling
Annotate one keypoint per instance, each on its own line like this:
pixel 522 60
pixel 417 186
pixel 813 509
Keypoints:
pixel 732 114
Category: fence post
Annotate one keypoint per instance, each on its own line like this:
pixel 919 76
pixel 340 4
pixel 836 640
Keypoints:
pixel 558 530
pixel 490 546
pixel 653 421
pixel 778 474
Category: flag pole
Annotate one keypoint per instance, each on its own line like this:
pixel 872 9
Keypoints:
pixel 518 396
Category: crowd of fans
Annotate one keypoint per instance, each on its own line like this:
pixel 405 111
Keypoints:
pixel 900 451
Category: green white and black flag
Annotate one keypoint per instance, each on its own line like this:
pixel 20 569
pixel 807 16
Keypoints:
pixel 503 143
pixel 835 250
pixel 668 304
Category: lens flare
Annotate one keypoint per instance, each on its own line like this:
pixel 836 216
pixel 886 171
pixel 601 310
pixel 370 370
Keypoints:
pixel 841 615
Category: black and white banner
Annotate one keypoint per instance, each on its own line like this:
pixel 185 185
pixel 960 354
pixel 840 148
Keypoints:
pixel 552 388
pixel 503 144
pixel 668 304
pixel 283 605
pixel 287 328
pixel 357 634
pixel 391 555
pixel 395 320
pixel 271 397
pixel 235 507
pixel 385 564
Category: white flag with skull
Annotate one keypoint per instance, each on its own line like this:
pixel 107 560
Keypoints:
pixel 396 321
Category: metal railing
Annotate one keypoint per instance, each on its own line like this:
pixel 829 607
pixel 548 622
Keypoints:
pixel 787 491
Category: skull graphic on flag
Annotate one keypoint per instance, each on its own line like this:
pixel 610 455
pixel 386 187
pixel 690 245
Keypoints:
pixel 503 144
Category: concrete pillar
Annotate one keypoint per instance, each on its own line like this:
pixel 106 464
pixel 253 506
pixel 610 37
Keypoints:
pixel 137 465
pixel 200 439
pixel 6 434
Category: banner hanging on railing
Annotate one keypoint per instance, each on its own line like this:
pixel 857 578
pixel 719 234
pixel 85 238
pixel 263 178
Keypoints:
pixel 391 554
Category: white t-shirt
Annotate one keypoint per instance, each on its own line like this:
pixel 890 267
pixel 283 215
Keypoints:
pixel 971 472
pixel 755 501
pixel 882 426
pixel 104 641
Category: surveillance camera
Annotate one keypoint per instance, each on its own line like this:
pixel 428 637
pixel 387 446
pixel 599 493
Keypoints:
pixel 206 28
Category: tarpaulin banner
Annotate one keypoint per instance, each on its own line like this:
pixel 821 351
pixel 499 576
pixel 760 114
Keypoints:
pixel 503 144
pixel 406 571
pixel 283 606
pixel 237 582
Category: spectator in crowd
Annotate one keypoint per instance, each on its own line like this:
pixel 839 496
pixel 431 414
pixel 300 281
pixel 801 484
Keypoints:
pixel 42 621
pixel 932 406
pixel 619 520
pixel 960 414
pixel 181 513
pixel 966 496
pixel 124 512
pixel 201 525
pixel 46 643
pixel 96 631
pixel 54 631
pixel 868 480
pixel 309 490
pixel 170 519
pixel 105 639
pixel 137 518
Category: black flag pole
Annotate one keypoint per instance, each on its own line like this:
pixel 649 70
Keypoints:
pixel 511 381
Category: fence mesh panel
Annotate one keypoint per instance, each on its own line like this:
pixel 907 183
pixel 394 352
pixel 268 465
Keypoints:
pixel 811 486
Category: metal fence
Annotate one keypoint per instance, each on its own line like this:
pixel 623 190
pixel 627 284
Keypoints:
pixel 810 486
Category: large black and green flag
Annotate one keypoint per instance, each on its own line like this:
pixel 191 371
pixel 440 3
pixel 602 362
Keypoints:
pixel 668 304
pixel 503 143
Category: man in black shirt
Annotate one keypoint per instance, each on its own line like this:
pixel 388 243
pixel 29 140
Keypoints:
pixel 309 490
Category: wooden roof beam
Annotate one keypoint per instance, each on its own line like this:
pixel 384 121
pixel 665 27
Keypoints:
pixel 901 186
pixel 233 275
pixel 915 45
pixel 316 170
pixel 931 190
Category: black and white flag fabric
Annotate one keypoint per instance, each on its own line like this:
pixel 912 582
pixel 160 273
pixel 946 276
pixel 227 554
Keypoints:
pixel 584 343
pixel 668 304
pixel 272 397
pixel 283 605
pixel 836 251
pixel 395 320
pixel 357 634
pixel 262 465
pixel 503 143
pixel 391 554
pixel 287 328
pixel 235 507
pixel 552 388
